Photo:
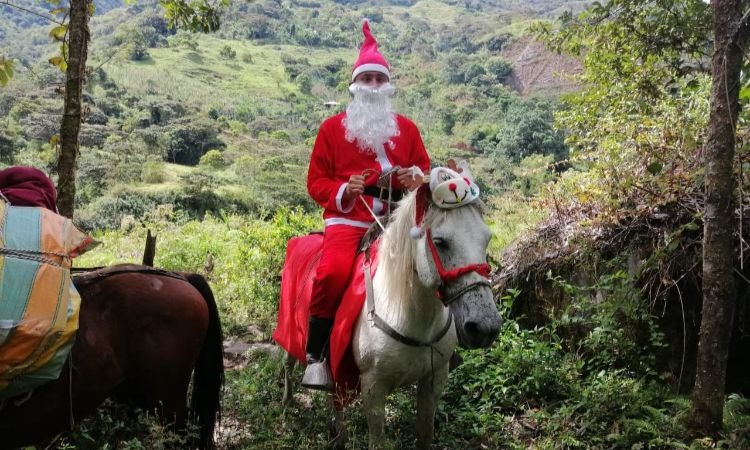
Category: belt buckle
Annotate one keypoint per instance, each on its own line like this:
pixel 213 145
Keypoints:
pixel 380 196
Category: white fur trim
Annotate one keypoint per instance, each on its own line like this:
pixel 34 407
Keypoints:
pixel 415 170
pixel 340 200
pixel 377 206
pixel 343 221
pixel 371 68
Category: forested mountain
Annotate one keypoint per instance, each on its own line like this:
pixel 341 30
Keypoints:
pixel 250 96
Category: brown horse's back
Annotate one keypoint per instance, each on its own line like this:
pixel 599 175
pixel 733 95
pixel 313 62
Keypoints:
pixel 140 335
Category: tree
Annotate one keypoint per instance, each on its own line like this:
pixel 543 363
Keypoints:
pixel 527 129
pixel 187 143
pixel 640 47
pixel 78 41
pixel 731 35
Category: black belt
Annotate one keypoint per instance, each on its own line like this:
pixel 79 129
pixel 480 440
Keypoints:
pixel 383 193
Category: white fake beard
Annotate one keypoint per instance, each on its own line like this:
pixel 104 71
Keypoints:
pixel 370 120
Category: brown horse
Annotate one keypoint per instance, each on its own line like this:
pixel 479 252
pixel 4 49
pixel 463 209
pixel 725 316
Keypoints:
pixel 142 334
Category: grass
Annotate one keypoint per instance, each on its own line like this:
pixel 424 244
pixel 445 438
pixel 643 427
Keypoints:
pixel 435 12
pixel 203 77
pixel 509 216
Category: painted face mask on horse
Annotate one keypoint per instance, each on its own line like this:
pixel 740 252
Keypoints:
pixel 415 295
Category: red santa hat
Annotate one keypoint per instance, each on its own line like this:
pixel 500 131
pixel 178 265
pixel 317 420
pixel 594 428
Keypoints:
pixel 370 59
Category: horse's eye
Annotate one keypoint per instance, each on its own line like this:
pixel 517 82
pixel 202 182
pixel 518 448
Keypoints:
pixel 440 243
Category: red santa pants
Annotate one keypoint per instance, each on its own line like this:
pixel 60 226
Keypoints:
pixel 340 243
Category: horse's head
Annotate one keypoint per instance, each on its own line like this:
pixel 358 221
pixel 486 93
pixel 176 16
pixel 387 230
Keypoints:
pixel 450 252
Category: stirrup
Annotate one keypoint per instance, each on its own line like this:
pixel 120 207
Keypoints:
pixel 318 376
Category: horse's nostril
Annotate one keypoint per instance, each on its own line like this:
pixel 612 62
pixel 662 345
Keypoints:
pixel 478 334
pixel 472 329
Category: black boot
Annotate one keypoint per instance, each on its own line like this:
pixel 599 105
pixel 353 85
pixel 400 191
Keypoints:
pixel 317 373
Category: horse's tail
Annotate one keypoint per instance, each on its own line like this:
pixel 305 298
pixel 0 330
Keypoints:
pixel 208 378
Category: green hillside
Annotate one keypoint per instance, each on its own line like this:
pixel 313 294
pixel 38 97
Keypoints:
pixel 255 91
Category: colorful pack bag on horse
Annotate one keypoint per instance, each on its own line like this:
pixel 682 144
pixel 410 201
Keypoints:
pixel 38 303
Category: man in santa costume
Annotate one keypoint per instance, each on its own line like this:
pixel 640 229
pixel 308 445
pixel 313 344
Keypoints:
pixel 353 151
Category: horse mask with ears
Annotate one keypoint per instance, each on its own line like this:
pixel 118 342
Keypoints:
pixel 448 189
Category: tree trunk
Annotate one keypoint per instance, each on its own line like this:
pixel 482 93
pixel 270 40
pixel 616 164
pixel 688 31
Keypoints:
pixel 78 39
pixel 706 415
pixel 149 253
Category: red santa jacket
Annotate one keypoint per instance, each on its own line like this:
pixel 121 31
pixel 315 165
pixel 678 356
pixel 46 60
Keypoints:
pixel 334 160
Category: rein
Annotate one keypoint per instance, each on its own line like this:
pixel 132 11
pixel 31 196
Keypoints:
pixel 383 326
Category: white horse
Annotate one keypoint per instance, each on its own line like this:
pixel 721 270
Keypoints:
pixel 422 287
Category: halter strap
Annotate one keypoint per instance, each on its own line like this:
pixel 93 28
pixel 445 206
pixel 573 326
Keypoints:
pixel 462 291
pixel 448 276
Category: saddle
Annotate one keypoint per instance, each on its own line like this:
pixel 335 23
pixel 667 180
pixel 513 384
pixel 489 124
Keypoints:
pixel 93 275
pixel 302 257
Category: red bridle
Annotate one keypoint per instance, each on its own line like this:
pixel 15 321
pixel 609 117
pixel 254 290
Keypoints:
pixel 448 276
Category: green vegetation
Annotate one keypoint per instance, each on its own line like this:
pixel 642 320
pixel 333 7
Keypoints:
pixel 585 380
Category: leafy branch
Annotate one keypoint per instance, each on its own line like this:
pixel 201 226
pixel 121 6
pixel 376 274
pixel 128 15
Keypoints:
pixel 31 11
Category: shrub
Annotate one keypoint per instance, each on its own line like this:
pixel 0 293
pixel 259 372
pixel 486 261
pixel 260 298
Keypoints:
pixel 524 366
pixel 245 168
pixel 610 327
pixel 281 135
pixel 107 212
pixel 227 52
pixel 259 125
pixel 136 51
pixel 183 39
pixel 187 143
pixel 213 159
pixel 8 149
pixel 153 172
pixel 116 425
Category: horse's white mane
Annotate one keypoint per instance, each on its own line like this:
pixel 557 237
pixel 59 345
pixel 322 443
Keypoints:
pixel 397 252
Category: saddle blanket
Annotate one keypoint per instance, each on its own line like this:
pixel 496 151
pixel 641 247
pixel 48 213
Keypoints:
pixel 38 303
pixel 302 258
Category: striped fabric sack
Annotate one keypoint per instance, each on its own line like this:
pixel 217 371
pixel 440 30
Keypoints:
pixel 38 303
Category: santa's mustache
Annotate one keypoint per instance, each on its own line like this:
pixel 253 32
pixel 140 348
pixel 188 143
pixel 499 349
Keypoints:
pixel 370 94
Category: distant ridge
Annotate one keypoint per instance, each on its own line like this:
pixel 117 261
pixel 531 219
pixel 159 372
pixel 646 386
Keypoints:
pixel 536 69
